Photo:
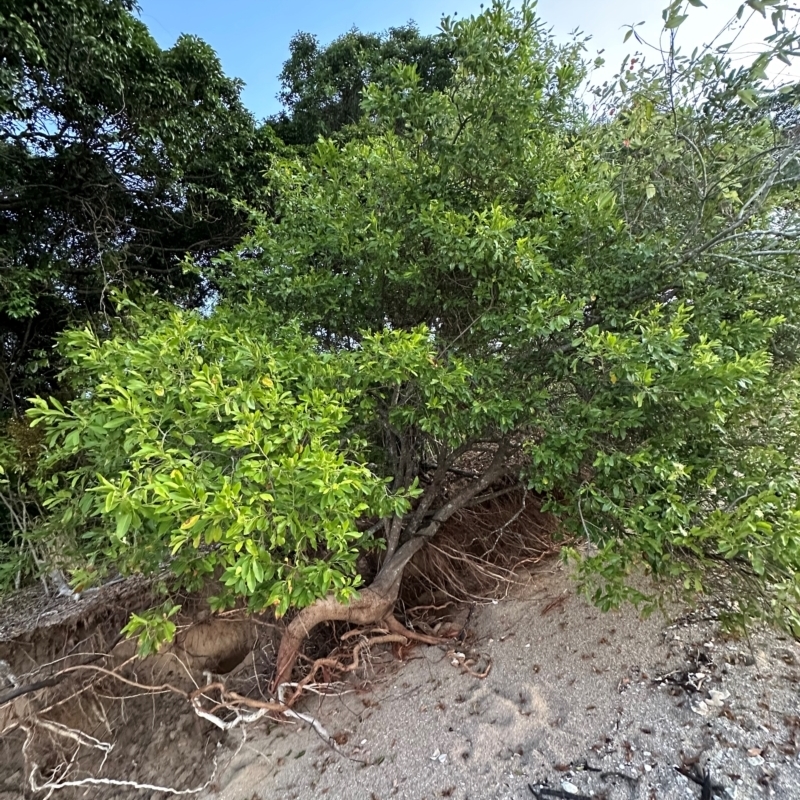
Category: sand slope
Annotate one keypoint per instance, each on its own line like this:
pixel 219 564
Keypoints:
pixel 571 690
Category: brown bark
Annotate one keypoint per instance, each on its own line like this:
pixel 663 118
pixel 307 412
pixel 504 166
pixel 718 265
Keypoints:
pixel 395 626
pixel 369 608
pixel 375 604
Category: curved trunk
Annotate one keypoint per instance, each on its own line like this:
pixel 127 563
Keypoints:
pixel 373 605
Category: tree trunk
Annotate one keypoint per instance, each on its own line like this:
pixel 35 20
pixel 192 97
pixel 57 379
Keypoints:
pixel 373 606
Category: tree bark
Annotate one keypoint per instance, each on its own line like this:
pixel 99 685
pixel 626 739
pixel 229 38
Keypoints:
pixel 369 608
pixel 375 604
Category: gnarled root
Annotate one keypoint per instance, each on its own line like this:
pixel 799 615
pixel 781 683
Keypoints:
pixel 371 608
pixel 393 625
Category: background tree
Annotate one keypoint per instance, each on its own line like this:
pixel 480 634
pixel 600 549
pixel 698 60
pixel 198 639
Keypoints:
pixel 117 159
pixel 322 87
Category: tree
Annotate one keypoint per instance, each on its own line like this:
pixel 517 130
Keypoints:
pixel 231 430
pixel 322 87
pixel 117 159
pixel 488 287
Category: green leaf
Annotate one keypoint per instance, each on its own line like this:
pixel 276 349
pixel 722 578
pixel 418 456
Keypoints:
pixel 123 524
pixel 747 96
pixel 402 297
pixel 675 21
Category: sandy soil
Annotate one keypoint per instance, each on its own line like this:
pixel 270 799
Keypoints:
pixel 577 704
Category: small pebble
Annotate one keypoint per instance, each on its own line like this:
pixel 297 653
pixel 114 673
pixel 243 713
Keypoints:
pixel 569 788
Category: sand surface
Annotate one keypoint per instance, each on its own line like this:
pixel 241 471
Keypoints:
pixel 543 696
pixel 577 703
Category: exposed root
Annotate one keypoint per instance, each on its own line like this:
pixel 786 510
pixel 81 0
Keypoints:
pixel 53 786
pixel 56 783
pixel 322 689
pixel 332 664
pixel 370 608
pixel 474 556
pixel 232 702
pixel 477 553
pixel 394 625
pixel 367 643
pixel 365 610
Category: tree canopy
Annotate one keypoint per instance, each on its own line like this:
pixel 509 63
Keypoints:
pixel 322 87
pixel 117 158
pixel 494 282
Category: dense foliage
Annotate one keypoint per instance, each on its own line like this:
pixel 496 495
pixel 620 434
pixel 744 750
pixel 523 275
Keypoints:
pixel 486 283
pixel 231 432
pixel 116 159
pixel 321 87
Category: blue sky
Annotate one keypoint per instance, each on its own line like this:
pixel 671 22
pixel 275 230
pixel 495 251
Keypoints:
pixel 252 36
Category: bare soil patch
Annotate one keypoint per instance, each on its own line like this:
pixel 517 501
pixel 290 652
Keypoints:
pixel 77 707
pixel 541 695
pixel 576 703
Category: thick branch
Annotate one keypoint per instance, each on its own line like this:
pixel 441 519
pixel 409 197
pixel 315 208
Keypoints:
pixel 392 569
